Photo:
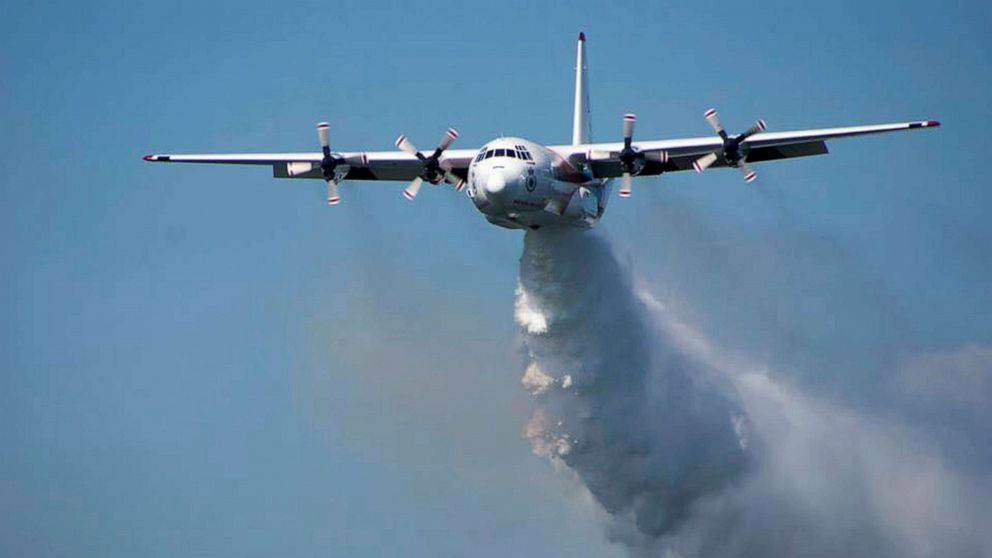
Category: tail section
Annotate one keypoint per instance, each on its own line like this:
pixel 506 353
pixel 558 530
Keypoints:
pixel 581 126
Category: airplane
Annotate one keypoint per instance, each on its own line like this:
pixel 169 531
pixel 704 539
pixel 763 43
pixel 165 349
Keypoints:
pixel 519 184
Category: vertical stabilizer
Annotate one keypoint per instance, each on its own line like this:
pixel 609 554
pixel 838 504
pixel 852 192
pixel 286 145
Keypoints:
pixel 581 127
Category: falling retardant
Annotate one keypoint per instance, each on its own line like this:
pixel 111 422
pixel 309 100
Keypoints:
pixel 649 430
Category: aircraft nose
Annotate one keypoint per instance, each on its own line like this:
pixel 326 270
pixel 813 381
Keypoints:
pixel 495 184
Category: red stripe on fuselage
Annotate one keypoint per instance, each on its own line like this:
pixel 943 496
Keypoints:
pixel 568 172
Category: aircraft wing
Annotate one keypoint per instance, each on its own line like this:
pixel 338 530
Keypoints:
pixel 372 165
pixel 603 158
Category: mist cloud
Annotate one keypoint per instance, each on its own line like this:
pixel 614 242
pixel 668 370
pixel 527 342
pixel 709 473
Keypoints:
pixel 960 379
pixel 648 431
pixel 693 449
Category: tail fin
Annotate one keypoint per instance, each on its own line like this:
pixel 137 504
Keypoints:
pixel 581 127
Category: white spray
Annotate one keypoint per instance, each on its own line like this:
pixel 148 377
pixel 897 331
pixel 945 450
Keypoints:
pixel 649 430
pixel 647 412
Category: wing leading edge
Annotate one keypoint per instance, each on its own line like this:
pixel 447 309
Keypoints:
pixel 401 166
pixel 381 165
pixel 765 146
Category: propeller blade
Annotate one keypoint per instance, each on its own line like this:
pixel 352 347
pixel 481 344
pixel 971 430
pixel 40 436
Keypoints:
pixel 749 175
pixel 450 177
pixel 714 121
pixel 628 126
pixel 406 145
pixel 454 180
pixel 597 155
pixel 704 162
pixel 625 183
pixel 657 156
pixel 332 193
pixel 449 136
pixel 411 191
pixel 357 160
pixel 759 126
pixel 325 143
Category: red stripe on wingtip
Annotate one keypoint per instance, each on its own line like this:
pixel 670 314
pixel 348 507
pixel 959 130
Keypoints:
pixel 624 193
pixel 323 125
pixel 148 158
pixel 695 165
pixel 408 195
pixel 709 113
pixel 933 123
pixel 333 201
pixel 630 116
pixel 582 36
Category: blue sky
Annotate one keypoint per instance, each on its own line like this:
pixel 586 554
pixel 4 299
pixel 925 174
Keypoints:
pixel 210 361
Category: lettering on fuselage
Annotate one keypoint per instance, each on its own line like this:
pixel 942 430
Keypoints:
pixel 528 204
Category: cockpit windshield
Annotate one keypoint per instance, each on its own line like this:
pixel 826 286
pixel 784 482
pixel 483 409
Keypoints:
pixel 516 152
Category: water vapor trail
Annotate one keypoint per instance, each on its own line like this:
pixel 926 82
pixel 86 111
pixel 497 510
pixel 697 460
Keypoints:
pixel 649 430
pixel 695 450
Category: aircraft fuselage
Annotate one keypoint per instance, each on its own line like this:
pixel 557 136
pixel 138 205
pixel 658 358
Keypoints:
pixel 520 184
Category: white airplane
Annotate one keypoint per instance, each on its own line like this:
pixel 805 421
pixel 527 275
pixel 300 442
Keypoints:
pixel 519 184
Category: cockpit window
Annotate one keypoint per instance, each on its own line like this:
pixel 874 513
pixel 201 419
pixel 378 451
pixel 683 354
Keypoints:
pixel 515 152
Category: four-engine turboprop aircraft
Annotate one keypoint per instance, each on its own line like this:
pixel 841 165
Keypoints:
pixel 520 184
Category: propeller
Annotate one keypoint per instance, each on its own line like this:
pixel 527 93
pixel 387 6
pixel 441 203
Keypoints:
pixel 435 169
pixel 627 155
pixel 630 156
pixel 734 150
pixel 330 162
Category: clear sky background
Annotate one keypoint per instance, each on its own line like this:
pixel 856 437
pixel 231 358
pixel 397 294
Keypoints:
pixel 208 361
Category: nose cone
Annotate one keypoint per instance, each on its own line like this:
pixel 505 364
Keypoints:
pixel 497 192
pixel 497 187
pixel 500 189
pixel 495 183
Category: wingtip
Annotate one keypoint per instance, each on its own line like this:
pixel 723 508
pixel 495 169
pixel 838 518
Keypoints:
pixel 148 158
pixel 582 36
pixel 932 123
